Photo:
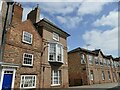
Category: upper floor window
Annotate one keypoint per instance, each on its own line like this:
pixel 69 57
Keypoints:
pixel 112 63
pixel 55 52
pixel 28 81
pixel 27 37
pixel 55 77
pixel 27 59
pixel 83 61
pixel 55 36
pixel 101 61
pixel 96 60
pixel 108 63
pixel 90 59
pixel 105 63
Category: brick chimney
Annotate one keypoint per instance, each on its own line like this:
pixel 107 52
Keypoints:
pixel 34 15
pixel 17 13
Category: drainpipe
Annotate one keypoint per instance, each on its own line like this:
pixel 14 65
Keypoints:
pixel 4 32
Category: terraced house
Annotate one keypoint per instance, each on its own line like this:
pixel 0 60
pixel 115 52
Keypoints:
pixel 92 67
pixel 34 52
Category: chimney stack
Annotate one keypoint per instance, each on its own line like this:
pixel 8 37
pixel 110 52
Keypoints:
pixel 34 15
pixel 17 13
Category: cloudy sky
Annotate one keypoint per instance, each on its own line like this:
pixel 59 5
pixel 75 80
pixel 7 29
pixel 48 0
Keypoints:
pixel 88 22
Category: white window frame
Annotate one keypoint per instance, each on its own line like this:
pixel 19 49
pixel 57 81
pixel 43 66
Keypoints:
pixel 55 35
pixel 83 59
pixel 109 76
pixel 105 62
pixel 103 75
pixel 96 60
pixel 101 61
pixel 90 59
pixel 25 80
pixel 25 40
pixel 52 77
pixel 62 52
pixel 1 2
pixel 109 64
pixel 31 61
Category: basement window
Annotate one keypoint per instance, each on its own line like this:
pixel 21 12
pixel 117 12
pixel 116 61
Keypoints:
pixel 27 37
pixel 28 81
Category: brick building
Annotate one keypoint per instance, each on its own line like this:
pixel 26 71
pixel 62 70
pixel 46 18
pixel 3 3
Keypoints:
pixel 92 67
pixel 35 53
pixel 54 72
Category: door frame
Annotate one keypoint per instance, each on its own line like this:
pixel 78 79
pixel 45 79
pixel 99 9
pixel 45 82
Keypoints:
pixel 2 76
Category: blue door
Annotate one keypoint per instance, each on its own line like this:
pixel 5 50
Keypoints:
pixel 7 82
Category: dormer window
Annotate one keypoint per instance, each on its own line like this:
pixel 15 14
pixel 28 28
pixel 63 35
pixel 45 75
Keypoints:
pixel 55 36
pixel 83 61
pixel 27 37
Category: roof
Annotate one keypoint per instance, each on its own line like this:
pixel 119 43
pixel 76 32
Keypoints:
pixel 95 52
pixel 82 49
pixel 50 23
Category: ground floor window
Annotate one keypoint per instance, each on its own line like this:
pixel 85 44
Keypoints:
pixel 109 75
pixel 91 75
pixel 28 81
pixel 55 77
pixel 103 75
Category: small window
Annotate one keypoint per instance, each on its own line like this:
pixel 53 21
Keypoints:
pixel 83 61
pixel 91 75
pixel 55 77
pixel 56 36
pixel 28 81
pixel 27 59
pixel 27 37
pixel 103 75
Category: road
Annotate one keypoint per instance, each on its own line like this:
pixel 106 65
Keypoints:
pixel 105 86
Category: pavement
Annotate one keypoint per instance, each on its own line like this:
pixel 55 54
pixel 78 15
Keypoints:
pixel 109 86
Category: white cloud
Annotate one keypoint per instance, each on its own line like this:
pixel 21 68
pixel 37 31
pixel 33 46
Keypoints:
pixel 58 8
pixel 68 21
pixel 111 20
pixel 105 40
pixel 92 7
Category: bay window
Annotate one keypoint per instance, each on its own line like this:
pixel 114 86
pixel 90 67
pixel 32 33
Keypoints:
pixel 55 53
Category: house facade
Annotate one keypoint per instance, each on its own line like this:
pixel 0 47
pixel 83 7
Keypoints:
pixel 22 54
pixel 35 53
pixel 54 66
pixel 92 67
